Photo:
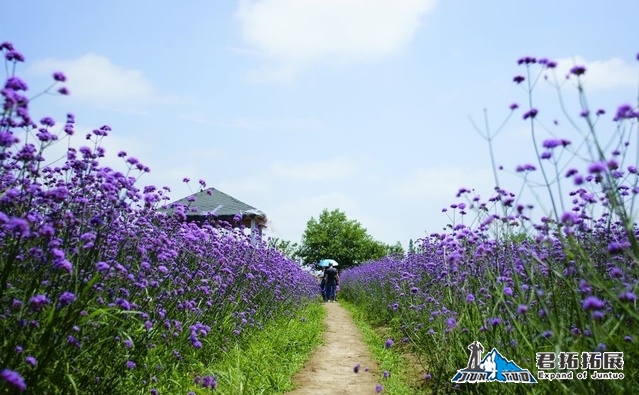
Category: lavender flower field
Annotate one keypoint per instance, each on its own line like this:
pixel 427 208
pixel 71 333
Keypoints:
pixel 102 291
pixel 566 282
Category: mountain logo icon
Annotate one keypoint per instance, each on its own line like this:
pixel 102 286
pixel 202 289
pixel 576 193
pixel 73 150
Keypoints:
pixel 492 367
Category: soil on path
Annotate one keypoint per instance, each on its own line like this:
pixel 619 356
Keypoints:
pixel 329 371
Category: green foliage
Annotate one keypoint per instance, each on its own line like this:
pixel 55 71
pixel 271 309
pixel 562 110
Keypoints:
pixel 265 363
pixel 285 247
pixel 395 250
pixel 334 236
pixel 400 380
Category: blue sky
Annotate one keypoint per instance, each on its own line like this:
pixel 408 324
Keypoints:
pixel 294 106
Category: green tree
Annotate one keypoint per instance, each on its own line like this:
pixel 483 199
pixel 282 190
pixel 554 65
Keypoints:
pixel 336 237
pixel 396 250
pixel 285 247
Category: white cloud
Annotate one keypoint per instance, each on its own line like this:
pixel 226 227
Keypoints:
pixel 94 78
pixel 295 33
pixel 258 125
pixel 288 220
pixel 332 169
pixel 602 74
pixel 441 183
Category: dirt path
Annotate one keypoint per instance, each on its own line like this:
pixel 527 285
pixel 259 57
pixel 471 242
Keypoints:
pixel 330 369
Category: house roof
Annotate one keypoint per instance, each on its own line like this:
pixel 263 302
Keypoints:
pixel 212 201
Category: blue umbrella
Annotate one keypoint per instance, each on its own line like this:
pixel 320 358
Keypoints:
pixel 325 262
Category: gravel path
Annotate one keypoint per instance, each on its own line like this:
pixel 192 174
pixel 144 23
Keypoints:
pixel 329 371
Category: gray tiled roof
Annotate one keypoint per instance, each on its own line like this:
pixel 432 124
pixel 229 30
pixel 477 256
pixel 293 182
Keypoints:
pixel 211 201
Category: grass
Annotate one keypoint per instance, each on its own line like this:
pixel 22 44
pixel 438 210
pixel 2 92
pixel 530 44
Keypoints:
pixel 266 365
pixel 401 380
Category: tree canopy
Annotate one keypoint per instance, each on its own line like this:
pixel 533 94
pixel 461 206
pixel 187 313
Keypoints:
pixel 334 236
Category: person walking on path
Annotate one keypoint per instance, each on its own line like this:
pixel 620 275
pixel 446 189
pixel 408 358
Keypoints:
pixel 331 280
pixel 323 285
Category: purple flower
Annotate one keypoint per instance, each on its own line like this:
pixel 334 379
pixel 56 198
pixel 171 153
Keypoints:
pixel 130 365
pixel 526 167
pixel 584 286
pixel 519 79
pixel 451 322
pixel 514 106
pixel 597 167
pixel 59 76
pixel 470 298
pixel 552 143
pixel 14 56
pixel 578 70
pixel 38 301
pixel 625 111
pixel 16 84
pixel 547 334
pixel 389 343
pixel 47 121
pixel 532 113
pixel 356 368
pixel 526 60
pixel 428 376
pixel 495 321
pixel 31 361
pixel 615 272
pixel 627 296
pixel 508 291
pixel 64 265
pixel 571 172
pixel 13 379
pixel 102 266
pixel 522 309
pixel 123 303
pixel 593 303
pixel 386 374
pixel 209 382
pixel 379 388
pixel 66 299
pixel 19 226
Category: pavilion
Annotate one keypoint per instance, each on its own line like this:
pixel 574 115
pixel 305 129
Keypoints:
pixel 214 204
